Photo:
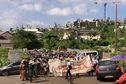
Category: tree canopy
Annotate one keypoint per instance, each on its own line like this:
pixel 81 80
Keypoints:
pixel 25 39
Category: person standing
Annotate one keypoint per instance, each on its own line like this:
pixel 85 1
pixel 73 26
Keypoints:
pixel 23 70
pixel 69 67
pixel 27 63
pixel 35 69
pixel 94 62
pixel 31 70
pixel 122 79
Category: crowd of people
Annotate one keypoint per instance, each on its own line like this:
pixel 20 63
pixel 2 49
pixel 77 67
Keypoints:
pixel 38 64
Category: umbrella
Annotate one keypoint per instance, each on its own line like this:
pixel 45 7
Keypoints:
pixel 119 57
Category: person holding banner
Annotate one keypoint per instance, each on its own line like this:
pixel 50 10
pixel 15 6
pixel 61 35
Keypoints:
pixel 69 67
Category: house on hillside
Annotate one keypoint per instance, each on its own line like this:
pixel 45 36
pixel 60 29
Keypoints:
pixel 5 39
pixel 122 26
pixel 67 33
pixel 86 35
pixel 32 30
pixel 35 30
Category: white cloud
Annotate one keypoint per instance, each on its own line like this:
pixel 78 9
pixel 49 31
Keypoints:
pixel 123 1
pixel 110 1
pixel 38 7
pixel 8 19
pixel 12 12
pixel 93 10
pixel 59 11
pixel 28 5
pixel 98 1
pixel 25 1
pixel 80 9
pixel 20 2
pixel 31 7
pixel 36 22
pixel 16 12
pixel 70 1
pixel 8 22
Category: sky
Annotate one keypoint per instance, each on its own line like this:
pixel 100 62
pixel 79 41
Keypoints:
pixel 45 13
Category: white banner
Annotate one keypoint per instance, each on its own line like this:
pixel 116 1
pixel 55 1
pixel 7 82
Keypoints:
pixel 58 68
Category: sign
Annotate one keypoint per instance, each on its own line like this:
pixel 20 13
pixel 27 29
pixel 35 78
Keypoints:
pixel 58 68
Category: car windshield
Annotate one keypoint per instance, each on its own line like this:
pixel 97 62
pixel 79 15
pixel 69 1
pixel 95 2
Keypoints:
pixel 106 62
pixel 15 64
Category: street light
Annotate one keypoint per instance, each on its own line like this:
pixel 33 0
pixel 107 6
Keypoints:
pixel 116 2
pixel 105 5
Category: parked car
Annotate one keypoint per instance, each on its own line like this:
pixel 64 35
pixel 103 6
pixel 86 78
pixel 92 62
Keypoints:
pixel 12 68
pixel 108 69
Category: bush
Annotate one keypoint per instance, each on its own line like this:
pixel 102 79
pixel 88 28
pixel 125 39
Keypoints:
pixel 25 56
pixel 3 57
pixel 3 61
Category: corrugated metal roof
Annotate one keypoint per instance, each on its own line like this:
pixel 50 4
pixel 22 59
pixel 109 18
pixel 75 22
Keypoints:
pixel 1 33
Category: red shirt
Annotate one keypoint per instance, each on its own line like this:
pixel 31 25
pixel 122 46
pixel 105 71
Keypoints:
pixel 122 79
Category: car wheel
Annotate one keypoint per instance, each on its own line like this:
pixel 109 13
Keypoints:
pixel 5 73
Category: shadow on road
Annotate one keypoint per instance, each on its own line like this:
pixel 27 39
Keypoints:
pixel 108 80
pixel 39 81
pixel 71 81
pixel 83 75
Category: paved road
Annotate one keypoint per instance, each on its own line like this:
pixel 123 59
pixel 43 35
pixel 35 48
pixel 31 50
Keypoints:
pixel 55 80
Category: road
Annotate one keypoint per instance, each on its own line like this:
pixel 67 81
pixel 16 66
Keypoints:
pixel 84 79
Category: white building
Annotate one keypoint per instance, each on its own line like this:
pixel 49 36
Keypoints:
pixel 32 30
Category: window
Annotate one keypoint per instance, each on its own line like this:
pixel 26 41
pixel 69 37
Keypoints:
pixel 16 63
pixel 107 62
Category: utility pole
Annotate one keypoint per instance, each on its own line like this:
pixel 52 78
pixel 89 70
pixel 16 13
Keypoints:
pixel 116 21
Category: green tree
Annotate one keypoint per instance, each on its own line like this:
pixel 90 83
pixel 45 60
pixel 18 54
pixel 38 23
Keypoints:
pixel 50 39
pixel 25 39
